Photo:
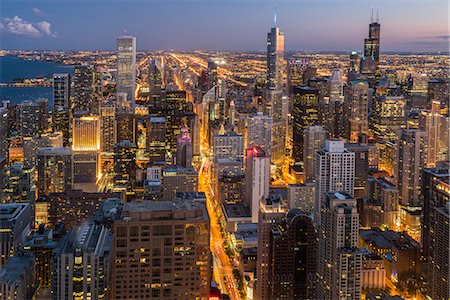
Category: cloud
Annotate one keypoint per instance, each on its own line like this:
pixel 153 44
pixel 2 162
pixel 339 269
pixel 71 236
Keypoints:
pixel 440 37
pixel 18 26
pixel 37 11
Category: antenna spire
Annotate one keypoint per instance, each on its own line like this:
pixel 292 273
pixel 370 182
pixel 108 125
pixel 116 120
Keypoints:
pixel 377 15
pixel 274 16
pixel 371 18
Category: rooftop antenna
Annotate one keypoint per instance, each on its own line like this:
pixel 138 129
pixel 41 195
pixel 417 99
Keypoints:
pixel 275 15
pixel 377 15
pixel 371 18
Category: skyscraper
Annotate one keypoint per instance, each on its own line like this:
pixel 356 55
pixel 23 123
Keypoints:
pixel 259 132
pixel 107 129
pixel 305 113
pixel 81 263
pixel 61 106
pixel 161 250
pixel 275 57
pixel 184 149
pixel 86 133
pixel 339 260
pixel 313 141
pixel 410 158
pixel 335 171
pixel 125 166
pixel 87 89
pixel 156 143
pixel 15 225
pixel 371 54
pixel 292 264
pixel 30 119
pixel 257 177
pixel 357 109
pixel 55 170
pixel 126 66
pixel 229 146
pixel 430 122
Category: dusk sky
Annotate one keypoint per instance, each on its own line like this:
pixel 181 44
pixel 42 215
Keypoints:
pixel 320 25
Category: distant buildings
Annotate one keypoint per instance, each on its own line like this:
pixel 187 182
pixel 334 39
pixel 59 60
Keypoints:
pixel 17 278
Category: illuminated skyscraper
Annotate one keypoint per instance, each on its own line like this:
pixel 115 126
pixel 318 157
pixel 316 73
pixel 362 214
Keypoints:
pixel 125 167
pixel 371 55
pixel 305 113
pixel 339 260
pixel 126 66
pixel 314 140
pixel 259 132
pixel 55 170
pixel 335 171
pixel 275 57
pixel 161 250
pixel 61 106
pixel 184 150
pixel 86 133
pixel 107 129
pixel 154 82
pixel 410 159
pixel 357 109
pixel 30 119
pixel 81 263
pixel 87 89
pixel 430 122
pixel 257 176
pixel 156 143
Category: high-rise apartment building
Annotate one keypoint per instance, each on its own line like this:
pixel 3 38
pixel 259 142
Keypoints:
pixel 161 251
pixel 126 67
pixel 61 106
pixel 335 171
pixel 125 166
pixel 257 178
pixel 357 109
pixel 30 119
pixel 86 90
pixel 107 129
pixel 156 139
pixel 339 260
pixel 430 122
pixel 259 132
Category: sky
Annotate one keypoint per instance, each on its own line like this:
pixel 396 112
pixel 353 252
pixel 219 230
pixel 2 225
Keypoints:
pixel 308 25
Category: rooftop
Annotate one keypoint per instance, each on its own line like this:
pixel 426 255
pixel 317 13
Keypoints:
pixel 15 268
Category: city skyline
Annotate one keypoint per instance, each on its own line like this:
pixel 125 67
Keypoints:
pixel 183 25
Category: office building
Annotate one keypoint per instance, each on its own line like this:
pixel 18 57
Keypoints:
pixel 86 133
pixel 17 280
pixel 124 166
pixel 339 260
pixel 371 55
pixel 259 132
pixel 357 109
pixel 126 67
pixel 178 179
pixel 125 127
pixel 275 57
pixel 336 86
pixel 81 263
pixel 388 116
pixel 313 141
pixel 61 92
pixel 55 170
pixel 161 250
pixel 304 113
pixel 292 264
pixel 184 149
pixel 86 89
pixel 257 179
pixel 107 128
pixel 156 143
pixel 335 172
pixel 15 224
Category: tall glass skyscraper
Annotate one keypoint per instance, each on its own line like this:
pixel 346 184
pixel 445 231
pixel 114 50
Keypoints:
pixel 126 66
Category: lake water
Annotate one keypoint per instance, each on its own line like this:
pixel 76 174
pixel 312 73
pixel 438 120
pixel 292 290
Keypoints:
pixel 12 68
